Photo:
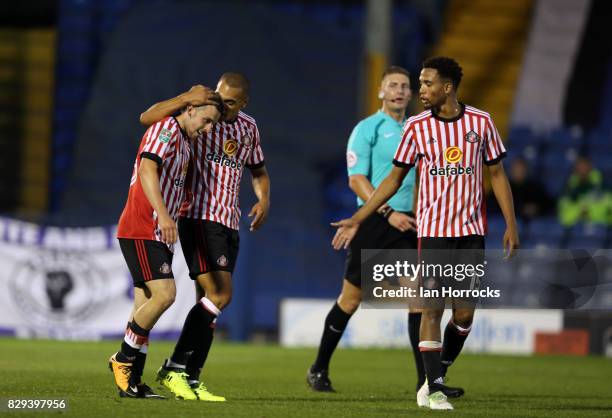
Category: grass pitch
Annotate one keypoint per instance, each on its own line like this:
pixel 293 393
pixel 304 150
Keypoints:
pixel 269 381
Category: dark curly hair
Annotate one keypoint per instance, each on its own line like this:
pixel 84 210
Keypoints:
pixel 447 68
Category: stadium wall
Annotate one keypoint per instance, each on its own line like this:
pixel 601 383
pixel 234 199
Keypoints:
pixel 493 331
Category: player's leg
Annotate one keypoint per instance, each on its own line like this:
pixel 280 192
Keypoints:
pixel 408 241
pixel 434 251
pixel 207 246
pixel 470 251
pixel 181 372
pixel 137 365
pixel 430 344
pixel 197 332
pixel 433 394
pixel 141 295
pixel 335 324
pixel 370 235
pixel 149 264
pixel 414 330
pixel 216 288
pixel 455 334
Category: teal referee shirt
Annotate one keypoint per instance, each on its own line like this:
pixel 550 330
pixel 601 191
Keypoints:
pixel 370 152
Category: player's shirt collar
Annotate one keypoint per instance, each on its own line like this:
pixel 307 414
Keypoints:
pixel 181 129
pixel 455 119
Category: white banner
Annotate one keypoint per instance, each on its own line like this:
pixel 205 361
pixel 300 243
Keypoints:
pixel 493 331
pixel 73 283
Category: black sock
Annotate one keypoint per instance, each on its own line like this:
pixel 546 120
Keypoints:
pixel 430 350
pixel 197 333
pixel 138 366
pixel 198 358
pixel 454 338
pixel 414 326
pixel 137 336
pixel 335 323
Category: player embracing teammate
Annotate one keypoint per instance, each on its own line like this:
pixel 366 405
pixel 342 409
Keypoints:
pixel 208 229
pixel 451 213
pixel 208 224
pixel 147 233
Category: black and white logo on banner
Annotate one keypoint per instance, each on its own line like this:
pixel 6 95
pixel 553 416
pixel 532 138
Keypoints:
pixel 58 288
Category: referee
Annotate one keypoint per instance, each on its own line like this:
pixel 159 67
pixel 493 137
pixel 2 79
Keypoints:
pixel 369 156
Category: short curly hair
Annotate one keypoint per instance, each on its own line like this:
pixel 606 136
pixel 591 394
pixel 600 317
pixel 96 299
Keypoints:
pixel 447 68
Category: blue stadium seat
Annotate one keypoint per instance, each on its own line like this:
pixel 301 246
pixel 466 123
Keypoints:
pixel 544 241
pixel 564 138
pixel 521 136
pixel 587 236
pixel 548 227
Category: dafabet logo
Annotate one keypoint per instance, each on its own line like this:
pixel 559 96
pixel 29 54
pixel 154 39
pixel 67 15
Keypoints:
pixel 452 155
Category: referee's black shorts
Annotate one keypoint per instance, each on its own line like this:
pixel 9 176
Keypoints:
pixel 375 233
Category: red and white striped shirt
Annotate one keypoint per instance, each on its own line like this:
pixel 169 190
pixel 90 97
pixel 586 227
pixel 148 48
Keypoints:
pixel 220 158
pixel 450 153
pixel 164 143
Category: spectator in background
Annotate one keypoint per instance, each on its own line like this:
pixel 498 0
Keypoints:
pixel 530 197
pixel 585 199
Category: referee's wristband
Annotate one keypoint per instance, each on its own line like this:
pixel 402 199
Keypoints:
pixel 386 212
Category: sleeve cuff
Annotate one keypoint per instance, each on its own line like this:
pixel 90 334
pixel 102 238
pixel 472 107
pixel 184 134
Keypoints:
pixel 255 166
pixel 496 160
pixel 401 164
pixel 151 156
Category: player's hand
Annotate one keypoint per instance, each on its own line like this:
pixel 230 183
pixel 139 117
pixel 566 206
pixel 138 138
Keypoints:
pixel 402 222
pixel 167 226
pixel 259 213
pixel 511 242
pixel 200 95
pixel 347 228
pixel 187 202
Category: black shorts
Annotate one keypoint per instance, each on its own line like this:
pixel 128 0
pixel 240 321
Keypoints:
pixel 147 260
pixel 208 246
pixel 375 233
pixel 457 252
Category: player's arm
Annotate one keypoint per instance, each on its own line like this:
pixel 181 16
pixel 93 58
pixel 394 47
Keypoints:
pixel 149 179
pixel 261 187
pixel 347 228
pixel 362 187
pixel 197 95
pixel 415 194
pixel 503 194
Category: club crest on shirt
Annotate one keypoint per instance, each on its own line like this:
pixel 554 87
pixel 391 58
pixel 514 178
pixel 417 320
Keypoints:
pixel 230 147
pixel 165 268
pixel 247 141
pixel 164 135
pixel 472 137
pixel 222 261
